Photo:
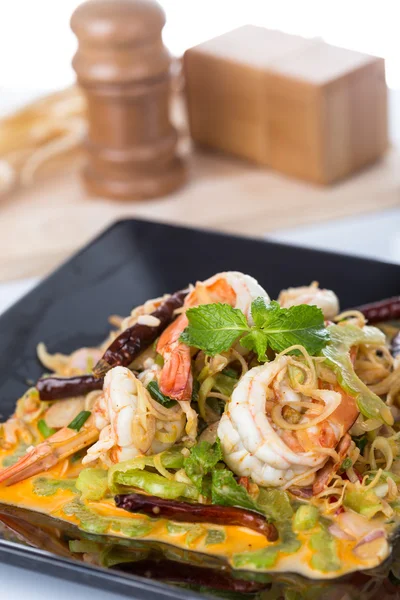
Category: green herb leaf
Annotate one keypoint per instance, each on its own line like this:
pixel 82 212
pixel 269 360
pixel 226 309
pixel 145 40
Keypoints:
pixel 46 486
pixel 158 396
pixel 258 341
pixel 153 484
pixel 226 491
pixel 170 459
pixel 215 536
pixel 11 459
pixel 79 420
pixel 230 373
pixel 92 483
pixel 364 502
pixel 194 534
pixel 267 557
pixel 275 504
pixel 201 461
pixel 177 528
pixel 224 384
pixel 360 442
pixel 92 522
pixel 44 429
pixel 214 327
pixel 337 355
pixel 346 464
pixel 285 327
pixel 325 557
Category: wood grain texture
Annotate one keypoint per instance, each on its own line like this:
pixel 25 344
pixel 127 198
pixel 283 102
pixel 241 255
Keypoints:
pixel 41 226
pixel 301 106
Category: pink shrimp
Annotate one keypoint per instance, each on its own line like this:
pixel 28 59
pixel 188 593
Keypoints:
pixel 233 288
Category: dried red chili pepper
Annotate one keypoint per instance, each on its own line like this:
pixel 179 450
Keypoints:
pixel 57 388
pixel 131 342
pixel 385 310
pixel 197 513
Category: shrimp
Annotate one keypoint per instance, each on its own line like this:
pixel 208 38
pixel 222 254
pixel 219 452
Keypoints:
pixel 50 452
pixel 125 422
pixel 326 300
pixel 258 441
pixel 130 422
pixel 230 287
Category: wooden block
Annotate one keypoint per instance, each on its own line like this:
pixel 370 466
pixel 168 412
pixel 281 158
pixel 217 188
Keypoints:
pixel 327 110
pixel 303 107
pixel 226 89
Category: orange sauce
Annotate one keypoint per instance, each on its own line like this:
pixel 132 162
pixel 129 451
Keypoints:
pixel 230 541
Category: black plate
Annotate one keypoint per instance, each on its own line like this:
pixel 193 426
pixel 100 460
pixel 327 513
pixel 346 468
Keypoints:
pixel 129 263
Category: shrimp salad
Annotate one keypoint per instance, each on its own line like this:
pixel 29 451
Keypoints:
pixel 217 420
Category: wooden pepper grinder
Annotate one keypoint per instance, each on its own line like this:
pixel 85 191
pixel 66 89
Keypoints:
pixel 124 70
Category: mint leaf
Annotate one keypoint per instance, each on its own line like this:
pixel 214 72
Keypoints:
pixel 258 341
pixel 285 327
pixel 214 327
pixel 201 461
pixel 260 310
pixel 158 396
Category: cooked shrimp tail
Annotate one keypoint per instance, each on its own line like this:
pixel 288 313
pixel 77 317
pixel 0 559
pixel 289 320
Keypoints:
pixel 177 370
pixel 48 453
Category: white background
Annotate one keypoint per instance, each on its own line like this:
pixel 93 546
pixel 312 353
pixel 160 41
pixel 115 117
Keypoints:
pixel 36 47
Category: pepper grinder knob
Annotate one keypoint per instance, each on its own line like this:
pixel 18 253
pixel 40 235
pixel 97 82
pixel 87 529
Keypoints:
pixel 124 69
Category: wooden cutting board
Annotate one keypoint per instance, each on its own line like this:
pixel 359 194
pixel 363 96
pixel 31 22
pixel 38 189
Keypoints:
pixel 42 225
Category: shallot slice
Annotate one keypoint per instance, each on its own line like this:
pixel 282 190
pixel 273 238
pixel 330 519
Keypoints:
pixel 337 532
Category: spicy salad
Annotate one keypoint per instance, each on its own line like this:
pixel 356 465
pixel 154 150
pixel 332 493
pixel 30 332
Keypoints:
pixel 214 419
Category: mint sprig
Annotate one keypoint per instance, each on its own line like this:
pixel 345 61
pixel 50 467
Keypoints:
pixel 214 328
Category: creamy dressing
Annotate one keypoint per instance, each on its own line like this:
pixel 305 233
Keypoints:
pixel 226 541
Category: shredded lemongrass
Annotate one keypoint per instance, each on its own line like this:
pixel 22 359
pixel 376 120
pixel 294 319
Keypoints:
pixel 219 396
pixel 333 506
pixel 64 467
pixel 329 452
pixel 326 374
pixel 372 483
pixel 240 358
pixel 204 391
pixel 218 363
pixel 160 467
pixel 191 419
pixel 386 509
pixel 383 386
pixel 304 404
pixel 308 359
pixel 51 361
pixel 115 320
pixel 351 474
pixel 300 477
pixel 393 491
pixel 362 425
pixel 386 415
pixel 277 417
pixel 382 445
pixel 352 314
pixel 334 489
pixel 167 437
